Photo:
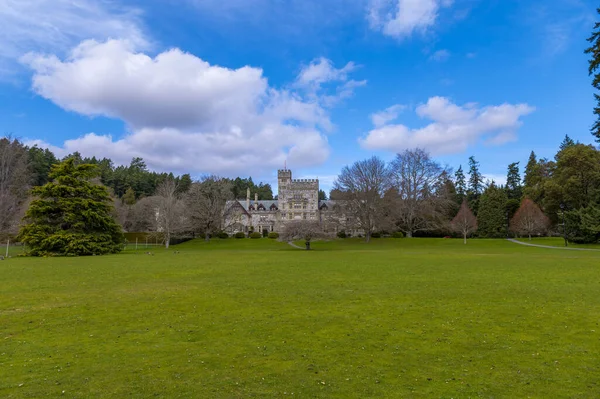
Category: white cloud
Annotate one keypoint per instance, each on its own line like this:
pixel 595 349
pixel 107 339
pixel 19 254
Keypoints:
pixel 57 25
pixel 403 18
pixel 440 56
pixel 453 129
pixel 322 80
pixel 387 115
pixel 184 113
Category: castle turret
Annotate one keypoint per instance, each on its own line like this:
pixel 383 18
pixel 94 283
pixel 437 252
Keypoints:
pixel 284 179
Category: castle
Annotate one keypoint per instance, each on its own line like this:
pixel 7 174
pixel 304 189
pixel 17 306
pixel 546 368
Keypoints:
pixel 297 199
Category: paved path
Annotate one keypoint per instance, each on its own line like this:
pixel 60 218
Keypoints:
pixel 294 245
pixel 548 246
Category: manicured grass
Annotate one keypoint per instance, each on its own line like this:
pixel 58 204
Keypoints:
pixel 414 318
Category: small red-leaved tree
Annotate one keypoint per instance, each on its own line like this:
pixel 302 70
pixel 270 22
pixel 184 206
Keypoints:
pixel 464 222
pixel 529 219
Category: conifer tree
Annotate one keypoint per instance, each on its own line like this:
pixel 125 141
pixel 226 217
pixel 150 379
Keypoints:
pixel 530 179
pixel 460 184
pixel 491 216
pixel 129 197
pixel 475 184
pixel 71 215
pixel 566 143
pixel 513 182
pixel 594 64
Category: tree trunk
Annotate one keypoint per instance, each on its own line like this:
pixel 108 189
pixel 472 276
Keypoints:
pixel 368 236
pixel 206 236
pixel 465 238
pixel 409 234
pixel 307 243
pixel 529 237
pixel 167 240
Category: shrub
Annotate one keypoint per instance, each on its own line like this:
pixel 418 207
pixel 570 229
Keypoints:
pixel 398 234
pixel 240 234
pixel 341 234
pixel 376 235
pixel 255 235
pixel 223 235
pixel 273 235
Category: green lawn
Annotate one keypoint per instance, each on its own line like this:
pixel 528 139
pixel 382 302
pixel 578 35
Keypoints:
pixel 413 318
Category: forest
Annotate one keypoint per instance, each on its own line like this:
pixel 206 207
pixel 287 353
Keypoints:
pixel 558 196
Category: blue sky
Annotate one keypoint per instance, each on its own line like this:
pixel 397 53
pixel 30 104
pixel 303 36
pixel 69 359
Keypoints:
pixel 238 87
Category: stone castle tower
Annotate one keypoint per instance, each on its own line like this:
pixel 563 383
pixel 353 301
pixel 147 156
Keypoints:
pixel 298 199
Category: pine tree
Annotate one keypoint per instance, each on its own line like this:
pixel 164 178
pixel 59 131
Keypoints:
pixel 594 64
pixel 460 183
pixel 71 215
pixel 531 171
pixel 129 196
pixel 514 190
pixel 475 184
pixel 491 217
pixel 566 143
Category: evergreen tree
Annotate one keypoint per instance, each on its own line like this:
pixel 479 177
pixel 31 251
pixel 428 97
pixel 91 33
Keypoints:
pixel 475 184
pixel 71 215
pixel 184 183
pixel 129 197
pixel 594 64
pixel 514 189
pixel 322 195
pixel 460 184
pixel 531 176
pixel 491 217
pixel 566 143
pixel 40 163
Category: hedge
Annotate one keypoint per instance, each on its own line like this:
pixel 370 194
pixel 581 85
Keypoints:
pixel 273 235
pixel 255 235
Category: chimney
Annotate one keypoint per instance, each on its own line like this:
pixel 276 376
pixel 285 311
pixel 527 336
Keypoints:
pixel 256 198
pixel 248 198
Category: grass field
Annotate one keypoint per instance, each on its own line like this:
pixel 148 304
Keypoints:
pixel 413 318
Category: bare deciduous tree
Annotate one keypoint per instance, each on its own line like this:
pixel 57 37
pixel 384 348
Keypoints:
pixel 362 187
pixel 529 219
pixel 141 216
pixel 14 183
pixel 464 222
pixel 421 202
pixel 169 211
pixel 306 230
pixel 207 204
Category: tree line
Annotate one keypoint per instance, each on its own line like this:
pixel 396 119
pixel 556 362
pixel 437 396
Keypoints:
pixel 23 168
pixel 420 197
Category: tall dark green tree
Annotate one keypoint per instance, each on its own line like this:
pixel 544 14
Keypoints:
pixel 594 64
pixel 566 143
pixel 322 195
pixel 460 184
pixel 476 184
pixel 40 163
pixel 514 189
pixel 491 217
pixel 71 215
